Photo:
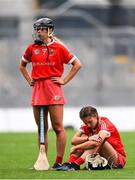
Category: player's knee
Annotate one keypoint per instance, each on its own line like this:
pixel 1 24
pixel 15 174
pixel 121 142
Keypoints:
pixel 58 130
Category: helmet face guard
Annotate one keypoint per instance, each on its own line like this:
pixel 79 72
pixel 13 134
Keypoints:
pixel 36 38
pixel 43 23
pixel 95 162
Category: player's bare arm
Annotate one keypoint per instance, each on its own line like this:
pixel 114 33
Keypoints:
pixel 79 138
pixel 25 73
pixel 76 65
pixel 92 142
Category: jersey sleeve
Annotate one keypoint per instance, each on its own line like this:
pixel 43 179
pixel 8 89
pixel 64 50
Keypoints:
pixel 67 56
pixel 82 129
pixel 105 128
pixel 86 130
pixel 27 54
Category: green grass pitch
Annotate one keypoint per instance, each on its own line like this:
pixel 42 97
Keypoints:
pixel 19 151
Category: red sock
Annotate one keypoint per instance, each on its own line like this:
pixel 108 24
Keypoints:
pixel 72 158
pixel 59 159
pixel 79 161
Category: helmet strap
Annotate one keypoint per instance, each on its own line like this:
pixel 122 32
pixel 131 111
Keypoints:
pixel 50 34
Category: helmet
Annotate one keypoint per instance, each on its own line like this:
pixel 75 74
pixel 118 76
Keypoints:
pixel 95 162
pixel 44 22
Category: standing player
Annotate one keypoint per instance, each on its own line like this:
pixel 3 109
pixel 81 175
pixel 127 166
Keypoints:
pixel 96 135
pixel 48 57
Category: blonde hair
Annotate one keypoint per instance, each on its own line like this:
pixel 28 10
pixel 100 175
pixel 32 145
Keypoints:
pixel 59 40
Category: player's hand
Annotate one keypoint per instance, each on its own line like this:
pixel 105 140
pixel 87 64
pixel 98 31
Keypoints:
pixel 32 82
pixel 95 137
pixel 57 80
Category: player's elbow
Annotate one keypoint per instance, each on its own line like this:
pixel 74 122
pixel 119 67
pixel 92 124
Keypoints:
pixel 73 142
pixel 22 67
pixel 78 65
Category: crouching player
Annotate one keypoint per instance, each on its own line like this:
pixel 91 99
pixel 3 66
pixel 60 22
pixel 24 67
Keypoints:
pixel 97 137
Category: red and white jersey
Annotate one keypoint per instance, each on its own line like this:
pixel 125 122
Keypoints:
pixel 113 135
pixel 48 61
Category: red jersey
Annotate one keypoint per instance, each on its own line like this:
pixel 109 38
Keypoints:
pixel 47 61
pixel 113 134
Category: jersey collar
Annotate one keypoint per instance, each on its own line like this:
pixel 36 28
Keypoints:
pixel 49 43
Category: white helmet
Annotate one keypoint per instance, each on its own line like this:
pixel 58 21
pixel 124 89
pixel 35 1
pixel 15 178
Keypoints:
pixel 95 162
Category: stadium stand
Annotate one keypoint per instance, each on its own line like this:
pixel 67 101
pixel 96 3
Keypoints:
pixel 101 33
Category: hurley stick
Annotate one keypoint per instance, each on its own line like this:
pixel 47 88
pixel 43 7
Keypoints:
pixel 42 162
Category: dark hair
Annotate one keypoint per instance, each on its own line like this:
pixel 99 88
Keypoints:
pixel 88 111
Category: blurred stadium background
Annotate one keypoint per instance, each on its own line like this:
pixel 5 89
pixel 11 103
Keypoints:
pixel 101 33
